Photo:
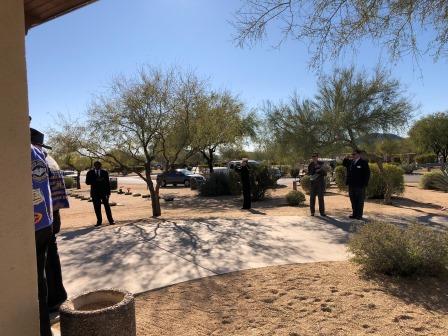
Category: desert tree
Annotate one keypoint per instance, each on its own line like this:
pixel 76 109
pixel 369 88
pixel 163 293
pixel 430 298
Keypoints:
pixel 220 121
pixel 136 118
pixel 430 133
pixel 353 105
pixel 329 27
pixel 293 129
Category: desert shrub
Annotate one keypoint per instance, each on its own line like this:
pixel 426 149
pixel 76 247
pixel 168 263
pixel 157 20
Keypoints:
pixel 69 182
pixel 377 185
pixel 426 158
pixel 340 176
pixel 262 179
pixel 386 248
pixel 294 172
pixel 295 197
pixel 220 185
pixel 305 183
pixel 284 169
pixel 435 180
pixel 408 168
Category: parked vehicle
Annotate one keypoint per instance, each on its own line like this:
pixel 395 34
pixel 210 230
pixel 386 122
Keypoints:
pixel 179 176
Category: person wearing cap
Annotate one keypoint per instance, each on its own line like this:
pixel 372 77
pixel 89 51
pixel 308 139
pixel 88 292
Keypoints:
pixel 358 175
pixel 43 220
pixel 244 172
pixel 317 173
pixel 56 290
pixel 98 179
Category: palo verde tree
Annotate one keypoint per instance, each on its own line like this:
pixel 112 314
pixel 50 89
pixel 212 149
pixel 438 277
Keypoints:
pixel 293 129
pixel 330 27
pixel 430 133
pixel 136 118
pixel 352 106
pixel 219 122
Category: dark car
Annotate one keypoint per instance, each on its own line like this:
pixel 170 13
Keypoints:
pixel 179 176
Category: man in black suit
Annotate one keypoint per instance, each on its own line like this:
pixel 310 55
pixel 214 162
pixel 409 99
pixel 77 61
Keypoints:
pixel 245 181
pixel 358 175
pixel 98 179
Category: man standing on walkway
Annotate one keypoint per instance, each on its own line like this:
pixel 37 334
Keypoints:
pixel 245 181
pixel 43 219
pixel 358 175
pixel 317 173
pixel 98 179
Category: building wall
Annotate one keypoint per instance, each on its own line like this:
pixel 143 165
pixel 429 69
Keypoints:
pixel 18 284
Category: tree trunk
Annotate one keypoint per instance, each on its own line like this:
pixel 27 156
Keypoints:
pixel 155 201
pixel 78 180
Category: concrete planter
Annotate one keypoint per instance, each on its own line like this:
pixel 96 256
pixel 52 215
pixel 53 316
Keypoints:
pixel 108 312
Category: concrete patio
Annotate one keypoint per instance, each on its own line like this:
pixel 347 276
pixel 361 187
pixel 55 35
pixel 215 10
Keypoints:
pixel 154 253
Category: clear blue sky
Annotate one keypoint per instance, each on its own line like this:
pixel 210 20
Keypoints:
pixel 74 57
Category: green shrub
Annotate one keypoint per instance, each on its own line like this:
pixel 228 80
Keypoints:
pixel 305 183
pixel 408 168
pixel 295 197
pixel 262 179
pixel 69 182
pixel 377 185
pixel 435 180
pixel 426 158
pixel 340 177
pixel 386 248
pixel 295 172
pixel 220 184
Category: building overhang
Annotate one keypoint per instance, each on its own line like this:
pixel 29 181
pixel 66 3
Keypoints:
pixel 40 11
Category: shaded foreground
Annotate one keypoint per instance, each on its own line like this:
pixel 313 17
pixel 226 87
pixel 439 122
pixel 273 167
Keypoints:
pixel 330 298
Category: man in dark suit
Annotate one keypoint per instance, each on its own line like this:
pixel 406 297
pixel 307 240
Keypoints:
pixel 358 175
pixel 245 181
pixel 98 179
pixel 317 172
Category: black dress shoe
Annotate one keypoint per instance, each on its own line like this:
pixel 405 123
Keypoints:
pixel 352 217
pixel 323 214
pixel 97 224
pixel 112 223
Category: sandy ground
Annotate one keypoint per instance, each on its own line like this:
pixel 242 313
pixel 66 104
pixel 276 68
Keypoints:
pixel 306 299
pixel 415 203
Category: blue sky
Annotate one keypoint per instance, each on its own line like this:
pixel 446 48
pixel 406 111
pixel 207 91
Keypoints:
pixel 74 57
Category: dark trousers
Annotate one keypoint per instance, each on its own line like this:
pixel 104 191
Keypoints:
pixel 317 189
pixel 357 196
pixel 42 240
pixel 97 200
pixel 247 197
pixel 56 291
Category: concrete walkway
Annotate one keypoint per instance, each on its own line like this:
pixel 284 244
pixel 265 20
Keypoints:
pixel 155 253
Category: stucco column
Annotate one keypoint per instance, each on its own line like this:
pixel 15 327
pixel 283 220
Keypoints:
pixel 18 283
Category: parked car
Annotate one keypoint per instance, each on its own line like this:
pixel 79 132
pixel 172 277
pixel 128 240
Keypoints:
pixel 179 176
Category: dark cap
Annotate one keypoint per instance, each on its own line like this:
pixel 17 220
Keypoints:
pixel 37 138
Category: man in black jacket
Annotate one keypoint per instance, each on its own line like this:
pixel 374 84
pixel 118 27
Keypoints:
pixel 98 179
pixel 317 172
pixel 245 181
pixel 358 175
